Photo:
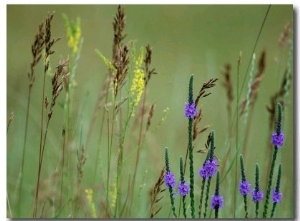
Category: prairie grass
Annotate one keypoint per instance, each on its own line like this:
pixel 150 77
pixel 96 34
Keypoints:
pixel 99 119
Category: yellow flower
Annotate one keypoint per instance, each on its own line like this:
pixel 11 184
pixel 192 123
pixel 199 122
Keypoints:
pixel 138 83
pixel 73 33
pixel 113 195
pixel 106 61
pixel 89 196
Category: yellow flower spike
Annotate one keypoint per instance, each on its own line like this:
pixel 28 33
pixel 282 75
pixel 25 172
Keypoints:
pixel 73 33
pixel 138 83
pixel 113 195
pixel 106 61
pixel 89 196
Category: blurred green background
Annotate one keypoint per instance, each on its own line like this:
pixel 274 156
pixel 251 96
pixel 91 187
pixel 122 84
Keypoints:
pixel 193 39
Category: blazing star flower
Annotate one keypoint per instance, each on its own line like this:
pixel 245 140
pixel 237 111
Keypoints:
pixel 257 196
pixel 183 189
pixel 277 140
pixel 276 196
pixel 217 202
pixel 190 110
pixel 244 187
pixel 170 180
pixel 209 169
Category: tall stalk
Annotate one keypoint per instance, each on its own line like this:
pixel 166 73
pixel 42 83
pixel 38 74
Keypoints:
pixel 48 45
pixel 36 50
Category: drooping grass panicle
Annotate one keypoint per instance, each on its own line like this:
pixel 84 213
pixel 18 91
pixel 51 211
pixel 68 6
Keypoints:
pixel 147 60
pixel 203 93
pixel 257 194
pixel 121 65
pixel 283 91
pixel 197 120
pixel 155 194
pixel 170 181
pixel 285 35
pixel 227 84
pixel 36 51
pixel 276 194
pixel 118 27
pixel 277 140
pixel 48 42
pixel 217 201
pixel 278 97
pixel 244 186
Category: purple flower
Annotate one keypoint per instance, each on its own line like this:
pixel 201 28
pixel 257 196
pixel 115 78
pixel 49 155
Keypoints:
pixel 190 110
pixel 209 169
pixel 183 189
pixel 276 196
pixel 257 195
pixel 244 187
pixel 170 180
pixel 217 202
pixel 277 140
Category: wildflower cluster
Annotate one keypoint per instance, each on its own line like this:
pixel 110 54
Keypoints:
pixel 190 110
pixel 277 139
pixel 209 169
pixel 244 187
pixel 257 195
pixel 183 188
pixel 170 180
pixel 276 196
pixel 217 202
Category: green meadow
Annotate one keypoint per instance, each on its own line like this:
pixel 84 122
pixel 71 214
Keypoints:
pixel 95 94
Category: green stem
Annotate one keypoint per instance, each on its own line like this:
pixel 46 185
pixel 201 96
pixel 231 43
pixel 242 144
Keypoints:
pixel 201 196
pixel 23 151
pixel 236 137
pixel 206 197
pixel 190 137
pixel 41 142
pixel 270 183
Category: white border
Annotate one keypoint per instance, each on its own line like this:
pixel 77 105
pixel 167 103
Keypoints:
pixel 3 122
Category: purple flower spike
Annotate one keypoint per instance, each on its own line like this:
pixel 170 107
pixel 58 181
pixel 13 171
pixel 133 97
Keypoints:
pixel 190 110
pixel 277 140
pixel 257 196
pixel 217 202
pixel 244 187
pixel 183 189
pixel 209 169
pixel 170 180
pixel 276 196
